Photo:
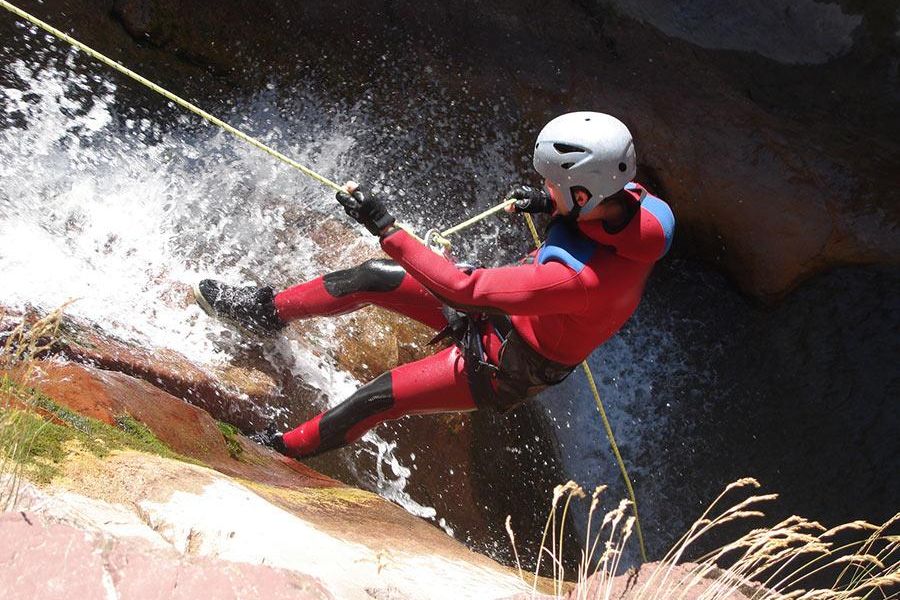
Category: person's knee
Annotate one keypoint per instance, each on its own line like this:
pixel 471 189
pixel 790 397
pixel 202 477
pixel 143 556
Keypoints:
pixel 375 275
pixel 371 403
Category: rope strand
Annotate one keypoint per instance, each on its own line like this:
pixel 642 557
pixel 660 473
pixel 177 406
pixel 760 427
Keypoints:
pixel 168 95
pixel 609 432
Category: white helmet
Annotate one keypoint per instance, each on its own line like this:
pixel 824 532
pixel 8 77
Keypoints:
pixel 585 152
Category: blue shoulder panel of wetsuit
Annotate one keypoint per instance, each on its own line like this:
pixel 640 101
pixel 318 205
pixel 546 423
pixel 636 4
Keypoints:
pixel 663 214
pixel 659 209
pixel 568 246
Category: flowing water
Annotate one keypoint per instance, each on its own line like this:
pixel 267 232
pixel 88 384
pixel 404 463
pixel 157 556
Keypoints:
pixel 121 211
pixel 111 198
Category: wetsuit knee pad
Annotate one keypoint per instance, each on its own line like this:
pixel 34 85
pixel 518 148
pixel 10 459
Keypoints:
pixel 375 275
pixel 372 399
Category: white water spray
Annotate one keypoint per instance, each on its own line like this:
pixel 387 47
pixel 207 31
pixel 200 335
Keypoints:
pixel 123 216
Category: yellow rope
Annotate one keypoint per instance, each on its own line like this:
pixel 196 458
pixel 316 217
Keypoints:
pixel 215 120
pixel 609 433
pixel 169 95
pixel 335 186
pixel 477 218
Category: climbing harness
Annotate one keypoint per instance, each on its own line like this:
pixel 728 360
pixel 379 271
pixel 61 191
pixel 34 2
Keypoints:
pixel 435 239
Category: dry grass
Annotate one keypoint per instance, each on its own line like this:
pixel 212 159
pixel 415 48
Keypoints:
pixel 19 348
pixel 860 560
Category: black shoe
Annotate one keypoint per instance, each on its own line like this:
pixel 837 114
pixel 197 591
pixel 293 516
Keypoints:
pixel 278 446
pixel 249 308
pixel 272 438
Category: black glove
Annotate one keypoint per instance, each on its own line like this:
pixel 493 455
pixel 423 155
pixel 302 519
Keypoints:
pixel 367 209
pixel 531 200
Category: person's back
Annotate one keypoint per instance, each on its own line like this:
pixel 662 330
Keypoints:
pixel 613 266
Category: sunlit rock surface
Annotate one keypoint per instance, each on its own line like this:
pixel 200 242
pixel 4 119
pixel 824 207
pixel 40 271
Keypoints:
pixel 43 557
pixel 461 462
pixel 135 509
pixel 214 525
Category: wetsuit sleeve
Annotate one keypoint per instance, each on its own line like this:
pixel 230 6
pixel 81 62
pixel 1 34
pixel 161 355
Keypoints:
pixel 646 238
pixel 551 288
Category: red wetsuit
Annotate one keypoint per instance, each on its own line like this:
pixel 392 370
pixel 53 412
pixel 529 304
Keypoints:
pixel 567 299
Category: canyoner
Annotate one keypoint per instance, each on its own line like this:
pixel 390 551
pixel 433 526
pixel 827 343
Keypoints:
pixel 517 329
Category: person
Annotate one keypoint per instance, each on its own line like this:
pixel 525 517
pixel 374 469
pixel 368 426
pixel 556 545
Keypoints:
pixel 518 329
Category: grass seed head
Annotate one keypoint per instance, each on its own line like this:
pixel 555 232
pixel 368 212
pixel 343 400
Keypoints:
pixel 742 482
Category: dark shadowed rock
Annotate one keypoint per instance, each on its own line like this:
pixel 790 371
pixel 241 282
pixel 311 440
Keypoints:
pixel 778 152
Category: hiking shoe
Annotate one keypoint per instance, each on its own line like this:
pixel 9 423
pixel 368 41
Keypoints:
pixel 249 308
pixel 272 438
pixel 277 444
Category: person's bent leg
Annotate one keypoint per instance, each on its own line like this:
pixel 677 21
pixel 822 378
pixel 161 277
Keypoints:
pixel 383 283
pixel 434 384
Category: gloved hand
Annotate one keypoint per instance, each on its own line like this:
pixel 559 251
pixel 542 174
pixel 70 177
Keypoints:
pixel 530 200
pixel 367 209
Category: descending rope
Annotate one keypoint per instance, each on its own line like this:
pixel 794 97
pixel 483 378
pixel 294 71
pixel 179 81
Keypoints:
pixel 169 95
pixel 479 217
pixel 440 238
pixel 609 432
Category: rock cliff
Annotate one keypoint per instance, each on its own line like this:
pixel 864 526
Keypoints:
pixel 772 134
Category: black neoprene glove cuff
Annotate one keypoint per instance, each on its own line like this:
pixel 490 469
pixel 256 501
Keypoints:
pixel 366 209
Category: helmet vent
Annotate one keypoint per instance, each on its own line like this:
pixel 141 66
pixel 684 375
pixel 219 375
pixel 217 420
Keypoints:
pixel 567 165
pixel 568 148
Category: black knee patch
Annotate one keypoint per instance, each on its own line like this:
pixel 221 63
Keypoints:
pixel 376 275
pixel 371 399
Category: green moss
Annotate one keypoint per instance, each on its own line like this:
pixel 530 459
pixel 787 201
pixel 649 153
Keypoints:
pixel 338 497
pixel 137 436
pixel 72 419
pixel 230 433
pixel 40 445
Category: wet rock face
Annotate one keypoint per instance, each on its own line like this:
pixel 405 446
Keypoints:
pixel 802 396
pixel 775 148
pixel 233 394
pixel 804 32
pixel 470 468
pixel 188 430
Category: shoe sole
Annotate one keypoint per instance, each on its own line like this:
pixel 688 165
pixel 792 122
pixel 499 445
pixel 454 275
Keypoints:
pixel 199 299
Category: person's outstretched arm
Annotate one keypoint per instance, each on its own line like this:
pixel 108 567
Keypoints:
pixel 551 288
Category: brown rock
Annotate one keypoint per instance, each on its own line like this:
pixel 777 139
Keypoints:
pixel 458 457
pixel 186 429
pixel 374 341
pixel 164 368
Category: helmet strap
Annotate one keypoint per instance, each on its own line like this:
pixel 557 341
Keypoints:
pixel 577 207
pixel 573 214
